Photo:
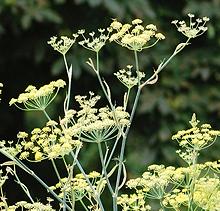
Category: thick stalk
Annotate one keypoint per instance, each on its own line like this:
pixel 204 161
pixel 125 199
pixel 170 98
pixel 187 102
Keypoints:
pixel 104 167
pixel 121 157
pixel 124 140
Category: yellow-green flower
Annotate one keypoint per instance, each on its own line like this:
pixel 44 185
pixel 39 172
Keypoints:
pixel 126 77
pixel 94 43
pixel 62 45
pixel 134 36
pixel 91 124
pixel 197 137
pixel 193 29
pixel 38 99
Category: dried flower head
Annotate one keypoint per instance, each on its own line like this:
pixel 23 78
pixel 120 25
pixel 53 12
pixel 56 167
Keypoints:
pixel 194 29
pixel 38 99
pixel 134 36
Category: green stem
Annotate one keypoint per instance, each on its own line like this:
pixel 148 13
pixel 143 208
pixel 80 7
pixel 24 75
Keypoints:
pixel 112 152
pixel 137 67
pixel 126 100
pixel 64 200
pixel 48 117
pixel 161 204
pixel 105 92
pixel 73 199
pixel 100 80
pixel 193 180
pixel 104 167
pixel 84 206
pixel 69 74
pixel 175 53
pixel 161 67
pixel 55 169
pixel 124 143
pixel 121 157
pixel 89 183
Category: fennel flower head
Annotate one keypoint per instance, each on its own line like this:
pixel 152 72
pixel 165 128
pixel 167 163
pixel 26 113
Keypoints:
pixel 37 99
pixel 125 76
pixel 63 44
pixel 48 142
pixel 79 186
pixel 94 42
pixel 194 28
pixel 197 137
pixel 135 36
pixel 92 124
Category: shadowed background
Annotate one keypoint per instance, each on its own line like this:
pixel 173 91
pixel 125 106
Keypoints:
pixel 190 83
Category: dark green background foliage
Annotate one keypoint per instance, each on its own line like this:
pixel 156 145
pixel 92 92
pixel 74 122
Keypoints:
pixel 189 84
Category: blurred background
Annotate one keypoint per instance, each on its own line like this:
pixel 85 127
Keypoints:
pixel 190 83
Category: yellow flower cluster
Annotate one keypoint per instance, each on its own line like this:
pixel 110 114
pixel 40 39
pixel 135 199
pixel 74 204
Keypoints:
pixel 134 202
pixel 176 199
pixel 79 186
pixel 46 143
pixel 23 205
pixel 196 137
pixel 173 186
pixel 194 29
pixel 38 99
pixel 94 43
pixel 126 78
pixel 62 45
pixel 207 193
pixel 134 36
pixel 155 181
pixel 91 124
